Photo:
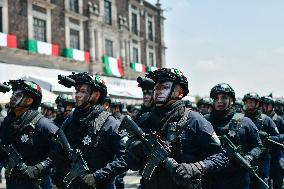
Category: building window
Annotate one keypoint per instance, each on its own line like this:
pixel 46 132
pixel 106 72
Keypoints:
pixel 74 5
pixel 151 59
pixel 135 54
pixel 74 39
pixel 1 23
pixel 109 48
pixel 39 29
pixel 107 8
pixel 134 25
pixel 150 30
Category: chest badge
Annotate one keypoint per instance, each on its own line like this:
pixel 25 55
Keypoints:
pixel 24 138
pixel 87 140
pixel 232 133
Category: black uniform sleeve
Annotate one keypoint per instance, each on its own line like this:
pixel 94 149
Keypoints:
pixel 117 144
pixel 253 138
pixel 214 157
pixel 280 127
pixel 270 127
pixel 48 130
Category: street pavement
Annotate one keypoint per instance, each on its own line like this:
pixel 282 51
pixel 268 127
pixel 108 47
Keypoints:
pixel 131 180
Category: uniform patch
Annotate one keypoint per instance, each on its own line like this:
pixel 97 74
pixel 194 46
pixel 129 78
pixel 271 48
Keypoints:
pixel 216 138
pixel 24 138
pixel 87 140
pixel 232 133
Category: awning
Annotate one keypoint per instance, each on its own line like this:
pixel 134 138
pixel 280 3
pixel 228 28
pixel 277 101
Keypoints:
pixel 47 96
pixel 47 79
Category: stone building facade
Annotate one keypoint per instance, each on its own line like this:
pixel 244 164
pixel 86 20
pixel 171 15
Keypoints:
pixel 132 30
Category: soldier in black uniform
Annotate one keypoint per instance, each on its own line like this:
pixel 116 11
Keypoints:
pixel 266 125
pixel 47 110
pixel 279 107
pixel 65 103
pixel 205 105
pixel 116 109
pixel 95 132
pixel 147 86
pixel 277 165
pixel 239 105
pixel 240 130
pixel 30 134
pixel 195 148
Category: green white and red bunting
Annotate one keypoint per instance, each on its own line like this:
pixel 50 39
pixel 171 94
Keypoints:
pixel 40 47
pixel 151 68
pixel 76 54
pixel 138 67
pixel 113 66
pixel 8 40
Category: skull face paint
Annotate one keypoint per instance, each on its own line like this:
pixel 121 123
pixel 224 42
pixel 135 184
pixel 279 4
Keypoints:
pixel 162 92
pixel 82 95
pixel 16 98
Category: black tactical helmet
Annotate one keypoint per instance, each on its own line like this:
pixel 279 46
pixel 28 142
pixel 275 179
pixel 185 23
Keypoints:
pixel 115 102
pixel 279 102
pixel 267 100
pixel 239 102
pixel 29 87
pixel 145 83
pixel 205 101
pixel 187 103
pixel 95 81
pixel 223 88
pixel 167 74
pixel 251 95
pixel 48 105
pixel 65 99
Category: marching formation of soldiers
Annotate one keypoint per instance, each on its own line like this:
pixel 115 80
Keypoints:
pixel 91 141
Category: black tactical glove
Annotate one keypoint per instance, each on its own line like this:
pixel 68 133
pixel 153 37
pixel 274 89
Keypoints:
pixel 136 154
pixel 33 172
pixel 89 182
pixel 188 175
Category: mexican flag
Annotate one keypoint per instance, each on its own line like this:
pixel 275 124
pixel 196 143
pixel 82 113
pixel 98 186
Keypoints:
pixel 76 54
pixel 151 68
pixel 8 40
pixel 41 47
pixel 112 66
pixel 138 67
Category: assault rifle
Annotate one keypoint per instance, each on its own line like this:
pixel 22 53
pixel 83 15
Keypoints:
pixel 232 150
pixel 157 149
pixel 15 159
pixel 4 88
pixel 66 81
pixel 266 137
pixel 79 167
